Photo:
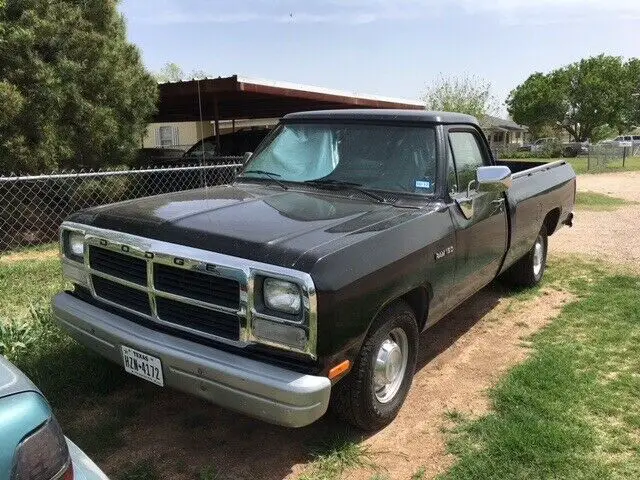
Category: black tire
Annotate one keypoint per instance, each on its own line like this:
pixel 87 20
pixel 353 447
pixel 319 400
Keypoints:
pixel 524 273
pixel 570 152
pixel 354 399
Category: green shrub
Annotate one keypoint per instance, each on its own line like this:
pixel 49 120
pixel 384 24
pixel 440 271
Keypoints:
pixel 101 191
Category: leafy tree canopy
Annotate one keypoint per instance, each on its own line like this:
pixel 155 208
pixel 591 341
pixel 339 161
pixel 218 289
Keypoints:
pixel 470 95
pixel 580 98
pixel 73 90
pixel 172 72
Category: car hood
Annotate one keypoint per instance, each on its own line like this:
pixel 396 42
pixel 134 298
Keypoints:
pixel 253 221
pixel 12 380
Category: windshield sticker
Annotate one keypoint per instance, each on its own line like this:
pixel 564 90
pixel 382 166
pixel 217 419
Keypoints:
pixel 423 184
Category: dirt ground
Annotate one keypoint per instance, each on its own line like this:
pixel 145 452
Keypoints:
pixel 609 235
pixel 622 184
pixel 459 360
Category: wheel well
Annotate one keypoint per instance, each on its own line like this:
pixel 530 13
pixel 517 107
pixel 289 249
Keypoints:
pixel 551 220
pixel 418 300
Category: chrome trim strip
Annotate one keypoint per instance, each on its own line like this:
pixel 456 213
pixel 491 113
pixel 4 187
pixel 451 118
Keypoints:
pixel 152 293
pixel 194 302
pixel 121 281
pixel 242 270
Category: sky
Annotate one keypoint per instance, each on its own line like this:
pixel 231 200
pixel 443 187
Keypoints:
pixel 385 47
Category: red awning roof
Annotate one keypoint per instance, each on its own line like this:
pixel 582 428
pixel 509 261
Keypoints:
pixel 238 98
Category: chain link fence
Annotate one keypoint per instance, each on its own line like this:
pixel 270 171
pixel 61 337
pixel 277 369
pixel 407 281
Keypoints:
pixel 33 207
pixel 609 155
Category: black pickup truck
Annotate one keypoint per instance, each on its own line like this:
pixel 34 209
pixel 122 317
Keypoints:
pixel 306 282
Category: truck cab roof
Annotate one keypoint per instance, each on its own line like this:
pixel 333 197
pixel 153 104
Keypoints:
pixel 384 115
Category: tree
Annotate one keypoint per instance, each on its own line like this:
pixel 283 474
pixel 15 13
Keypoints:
pixel 73 90
pixel 537 103
pixel 579 98
pixel 469 95
pixel 632 117
pixel 172 72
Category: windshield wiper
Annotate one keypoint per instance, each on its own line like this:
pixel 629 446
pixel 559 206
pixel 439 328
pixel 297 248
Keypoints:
pixel 338 184
pixel 271 175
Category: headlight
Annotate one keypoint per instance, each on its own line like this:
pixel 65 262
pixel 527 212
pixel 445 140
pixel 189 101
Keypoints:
pixel 281 295
pixel 74 245
pixel 43 455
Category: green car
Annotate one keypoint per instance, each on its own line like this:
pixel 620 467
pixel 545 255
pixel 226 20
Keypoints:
pixel 32 446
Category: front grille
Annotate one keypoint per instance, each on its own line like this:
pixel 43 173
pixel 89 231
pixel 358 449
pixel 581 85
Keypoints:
pixel 166 279
pixel 271 355
pixel 198 318
pixel 118 265
pixel 197 285
pixel 119 294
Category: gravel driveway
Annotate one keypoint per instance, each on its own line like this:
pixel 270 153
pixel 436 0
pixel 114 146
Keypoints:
pixel 613 236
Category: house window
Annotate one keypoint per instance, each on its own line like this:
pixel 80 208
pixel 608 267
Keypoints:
pixel 166 136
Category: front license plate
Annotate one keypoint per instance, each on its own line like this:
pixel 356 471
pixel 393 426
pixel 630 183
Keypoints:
pixel 143 365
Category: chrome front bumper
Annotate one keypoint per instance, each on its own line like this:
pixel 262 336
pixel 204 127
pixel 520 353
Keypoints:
pixel 257 389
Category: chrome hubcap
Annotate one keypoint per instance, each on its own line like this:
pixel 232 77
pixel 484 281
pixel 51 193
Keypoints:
pixel 538 255
pixel 391 364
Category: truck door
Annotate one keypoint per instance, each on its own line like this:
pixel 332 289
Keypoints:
pixel 480 218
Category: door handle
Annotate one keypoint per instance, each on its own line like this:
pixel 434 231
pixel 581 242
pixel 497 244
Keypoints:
pixel 499 204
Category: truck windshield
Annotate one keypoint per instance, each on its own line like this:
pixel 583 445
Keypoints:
pixel 375 157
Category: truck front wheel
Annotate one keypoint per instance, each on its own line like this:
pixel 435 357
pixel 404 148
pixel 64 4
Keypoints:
pixel 373 392
pixel 528 271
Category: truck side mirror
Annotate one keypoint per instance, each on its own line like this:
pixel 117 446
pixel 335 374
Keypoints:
pixel 494 179
pixel 246 157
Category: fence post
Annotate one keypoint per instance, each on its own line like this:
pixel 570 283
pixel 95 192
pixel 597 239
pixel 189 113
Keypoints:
pixel 624 156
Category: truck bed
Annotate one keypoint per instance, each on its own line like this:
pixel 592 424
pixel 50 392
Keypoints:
pixel 541 192
pixel 517 167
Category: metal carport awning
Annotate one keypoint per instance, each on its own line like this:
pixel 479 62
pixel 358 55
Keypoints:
pixel 243 98
pixel 235 98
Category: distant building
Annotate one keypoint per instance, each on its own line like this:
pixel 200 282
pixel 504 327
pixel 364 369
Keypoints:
pixel 175 134
pixel 503 133
pixel 183 135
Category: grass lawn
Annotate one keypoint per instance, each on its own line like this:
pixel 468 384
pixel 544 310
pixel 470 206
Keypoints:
pixel 572 410
pixel 67 373
pixel 581 165
pixel 599 201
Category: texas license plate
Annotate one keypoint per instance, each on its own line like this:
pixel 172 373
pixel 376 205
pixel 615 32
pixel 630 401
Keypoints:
pixel 143 365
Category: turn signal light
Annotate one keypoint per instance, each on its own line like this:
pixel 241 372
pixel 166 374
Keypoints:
pixel 339 369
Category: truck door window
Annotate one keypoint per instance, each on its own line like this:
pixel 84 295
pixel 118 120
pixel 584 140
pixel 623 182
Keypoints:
pixel 467 156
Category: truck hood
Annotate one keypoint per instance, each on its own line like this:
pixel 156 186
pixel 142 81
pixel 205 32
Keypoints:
pixel 253 221
pixel 12 380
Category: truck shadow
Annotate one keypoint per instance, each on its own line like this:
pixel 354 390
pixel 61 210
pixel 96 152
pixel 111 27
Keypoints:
pixel 180 436
pixel 442 335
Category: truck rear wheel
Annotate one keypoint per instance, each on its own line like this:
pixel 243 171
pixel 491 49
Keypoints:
pixel 371 395
pixel 529 270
